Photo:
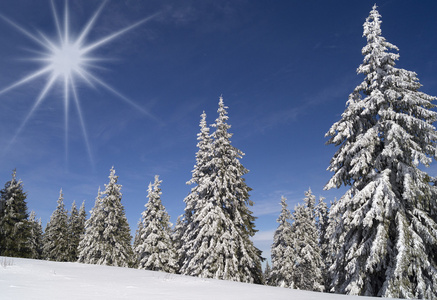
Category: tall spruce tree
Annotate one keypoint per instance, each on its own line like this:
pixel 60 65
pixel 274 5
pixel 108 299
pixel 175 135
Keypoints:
pixel 91 246
pixel 56 237
pixel 14 226
pixel 36 236
pixel 76 229
pixel 386 221
pixel 185 227
pixel 283 253
pixel 107 235
pixel 154 247
pixel 217 238
pixel 307 273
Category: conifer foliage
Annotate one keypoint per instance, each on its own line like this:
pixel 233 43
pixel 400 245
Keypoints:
pixel 307 273
pixel 107 234
pixel 385 223
pixel 36 236
pixel 283 254
pixel 186 228
pixel 153 244
pixel 219 224
pixel 14 226
pixel 322 220
pixel 56 236
pixel 76 229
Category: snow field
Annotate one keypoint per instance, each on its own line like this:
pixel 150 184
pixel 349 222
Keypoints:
pixel 37 279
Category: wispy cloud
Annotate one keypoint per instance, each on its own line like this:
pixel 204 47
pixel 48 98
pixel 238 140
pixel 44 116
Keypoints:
pixel 270 204
pixel 264 236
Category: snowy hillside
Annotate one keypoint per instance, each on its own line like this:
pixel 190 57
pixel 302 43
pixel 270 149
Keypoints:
pixel 36 279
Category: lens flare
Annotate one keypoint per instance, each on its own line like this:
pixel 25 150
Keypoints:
pixel 69 61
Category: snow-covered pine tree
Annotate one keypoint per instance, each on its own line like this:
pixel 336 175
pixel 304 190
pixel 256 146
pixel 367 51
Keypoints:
pixel 308 266
pixel 331 248
pixel 107 235
pixel 76 229
pixel 267 274
pixel 82 217
pixel 154 247
pixel 322 220
pixel 176 237
pixel 386 221
pixel 56 237
pixel 282 251
pixel 36 235
pixel 137 241
pixel 14 226
pixel 91 245
pixel 232 193
pixel 200 178
pixel 218 240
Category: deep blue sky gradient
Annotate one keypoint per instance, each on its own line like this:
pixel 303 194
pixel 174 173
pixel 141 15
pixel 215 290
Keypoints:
pixel 284 68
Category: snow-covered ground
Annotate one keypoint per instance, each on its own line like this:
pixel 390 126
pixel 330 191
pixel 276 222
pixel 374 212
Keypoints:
pixel 36 279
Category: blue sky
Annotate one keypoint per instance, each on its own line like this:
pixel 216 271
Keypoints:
pixel 284 68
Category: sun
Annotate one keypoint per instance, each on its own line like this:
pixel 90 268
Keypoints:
pixel 68 60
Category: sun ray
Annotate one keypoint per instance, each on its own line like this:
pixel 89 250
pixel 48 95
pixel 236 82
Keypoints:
pixel 121 96
pixel 41 96
pixel 66 27
pixel 66 106
pixel 24 31
pixel 82 122
pixel 27 79
pixel 89 25
pixel 57 24
pixel 116 34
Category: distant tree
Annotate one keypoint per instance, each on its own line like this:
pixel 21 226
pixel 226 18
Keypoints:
pixel 217 239
pixel 91 246
pixel 283 252
pixel 267 274
pixel 14 226
pixel 36 236
pixel 322 221
pixel 56 236
pixel 386 222
pixel 154 246
pixel 76 229
pixel 137 241
pixel 308 267
pixel 107 235
pixel 176 237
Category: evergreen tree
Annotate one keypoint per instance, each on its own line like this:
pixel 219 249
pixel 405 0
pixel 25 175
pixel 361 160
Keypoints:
pixel 36 236
pixel 107 234
pixel 322 221
pixel 176 238
pixel 307 273
pixel 76 229
pixel 386 221
pixel 136 243
pixel 267 274
pixel 217 238
pixel 185 227
pixel 91 246
pixel 154 249
pixel 14 226
pixel 283 254
pixel 56 238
